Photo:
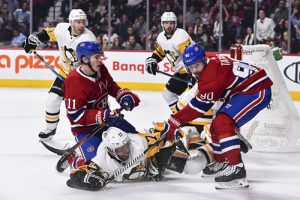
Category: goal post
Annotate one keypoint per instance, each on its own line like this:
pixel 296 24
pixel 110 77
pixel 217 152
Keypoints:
pixel 276 128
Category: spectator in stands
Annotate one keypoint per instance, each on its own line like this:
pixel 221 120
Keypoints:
pixel 201 36
pixel 191 15
pixel 295 19
pixel 248 6
pixel 18 38
pixel 215 10
pixel 117 44
pixel 140 26
pixel 153 33
pixel 216 31
pixel 131 32
pixel 113 35
pixel 281 13
pixel 204 15
pixel 22 16
pixel 249 39
pixel 121 28
pixel 131 44
pixel 235 20
pixel 265 28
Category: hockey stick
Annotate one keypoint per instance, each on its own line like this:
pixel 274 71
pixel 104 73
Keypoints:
pixel 47 64
pixel 177 78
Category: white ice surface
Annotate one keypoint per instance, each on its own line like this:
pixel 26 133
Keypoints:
pixel 27 169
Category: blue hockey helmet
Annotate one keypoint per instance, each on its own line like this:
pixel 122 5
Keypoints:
pixel 87 49
pixel 194 54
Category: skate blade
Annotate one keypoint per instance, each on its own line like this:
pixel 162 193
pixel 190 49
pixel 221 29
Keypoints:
pixel 235 184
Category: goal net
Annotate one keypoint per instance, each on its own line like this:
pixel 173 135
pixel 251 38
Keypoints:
pixel 276 128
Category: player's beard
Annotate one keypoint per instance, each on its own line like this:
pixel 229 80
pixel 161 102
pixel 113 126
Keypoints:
pixel 169 31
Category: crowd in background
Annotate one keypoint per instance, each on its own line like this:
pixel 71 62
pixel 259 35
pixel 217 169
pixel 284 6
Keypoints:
pixel 128 25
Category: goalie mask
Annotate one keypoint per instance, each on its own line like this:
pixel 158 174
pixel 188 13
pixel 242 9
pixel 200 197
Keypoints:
pixel 117 143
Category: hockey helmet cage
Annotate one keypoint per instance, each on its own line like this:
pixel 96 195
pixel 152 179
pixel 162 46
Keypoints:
pixel 194 54
pixel 87 49
pixel 168 17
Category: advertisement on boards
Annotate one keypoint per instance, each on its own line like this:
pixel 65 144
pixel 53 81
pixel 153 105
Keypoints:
pixel 125 67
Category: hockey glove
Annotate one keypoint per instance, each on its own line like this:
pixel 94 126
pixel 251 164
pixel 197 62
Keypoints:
pixel 91 181
pixel 153 173
pixel 31 43
pixel 108 116
pixel 151 65
pixel 170 128
pixel 127 99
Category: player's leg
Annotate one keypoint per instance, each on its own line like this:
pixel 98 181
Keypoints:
pixel 238 111
pixel 175 88
pixel 55 97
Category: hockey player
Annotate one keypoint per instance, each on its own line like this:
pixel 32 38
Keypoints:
pixel 245 91
pixel 119 148
pixel 170 43
pixel 67 35
pixel 86 91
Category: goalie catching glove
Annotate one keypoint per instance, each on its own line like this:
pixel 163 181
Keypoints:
pixel 151 65
pixel 153 173
pixel 85 179
pixel 127 99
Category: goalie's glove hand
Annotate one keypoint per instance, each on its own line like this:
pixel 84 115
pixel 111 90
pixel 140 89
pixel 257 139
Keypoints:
pixel 92 181
pixel 151 65
pixel 170 128
pixel 153 173
pixel 109 117
pixel 127 99
pixel 31 43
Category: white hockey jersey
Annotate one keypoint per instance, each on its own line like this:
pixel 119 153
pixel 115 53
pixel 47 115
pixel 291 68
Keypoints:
pixel 172 48
pixel 110 165
pixel 67 44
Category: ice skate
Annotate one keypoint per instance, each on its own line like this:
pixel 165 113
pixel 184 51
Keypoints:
pixel 213 169
pixel 232 177
pixel 47 134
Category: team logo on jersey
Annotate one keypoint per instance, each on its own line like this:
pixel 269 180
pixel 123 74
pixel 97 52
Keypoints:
pixel 90 149
pixel 69 56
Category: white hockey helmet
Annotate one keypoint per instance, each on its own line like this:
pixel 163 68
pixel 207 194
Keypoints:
pixel 117 143
pixel 168 17
pixel 77 14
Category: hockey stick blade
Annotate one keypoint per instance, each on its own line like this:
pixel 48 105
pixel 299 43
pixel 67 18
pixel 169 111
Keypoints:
pixel 59 152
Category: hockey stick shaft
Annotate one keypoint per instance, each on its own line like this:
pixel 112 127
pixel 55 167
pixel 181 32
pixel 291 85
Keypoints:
pixel 177 78
pixel 47 64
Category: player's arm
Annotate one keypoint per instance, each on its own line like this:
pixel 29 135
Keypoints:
pixel 151 62
pixel 125 97
pixel 36 39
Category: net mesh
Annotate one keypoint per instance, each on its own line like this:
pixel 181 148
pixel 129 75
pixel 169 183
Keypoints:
pixel 276 128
